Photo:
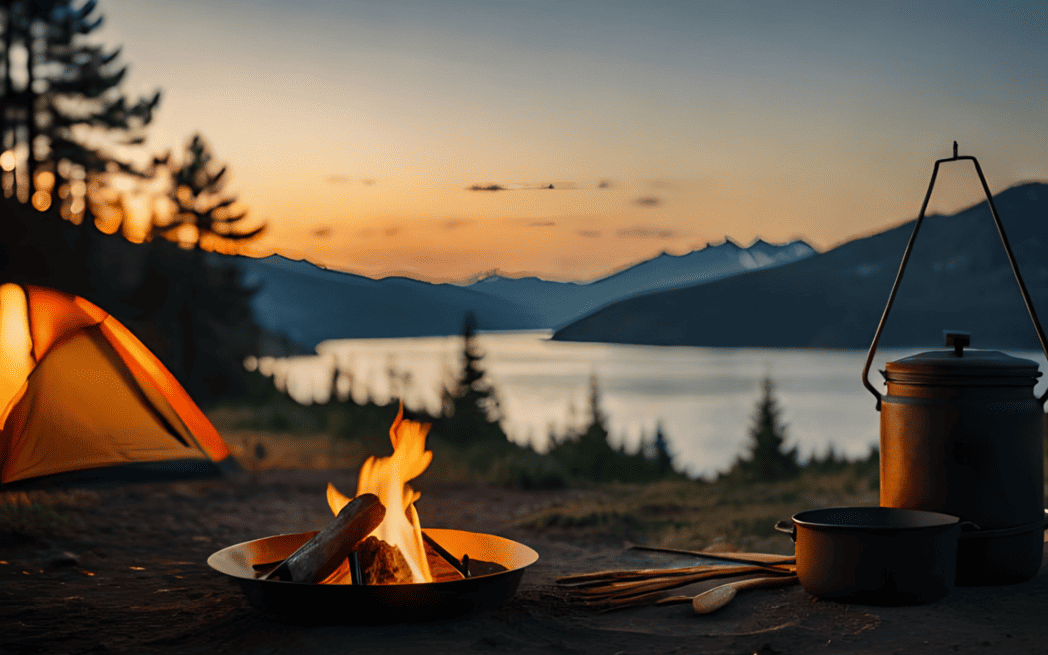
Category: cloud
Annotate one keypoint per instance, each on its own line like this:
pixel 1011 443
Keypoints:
pixel 605 184
pixel 590 234
pixel 648 201
pixel 542 223
pixel 344 179
pixel 391 231
pixel 492 186
pixel 322 232
pixel 647 233
pixel 456 223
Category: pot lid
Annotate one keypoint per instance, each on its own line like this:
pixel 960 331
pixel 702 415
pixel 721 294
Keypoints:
pixel 963 366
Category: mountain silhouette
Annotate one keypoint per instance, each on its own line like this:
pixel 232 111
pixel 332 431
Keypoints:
pixel 557 303
pixel 310 304
pixel 958 278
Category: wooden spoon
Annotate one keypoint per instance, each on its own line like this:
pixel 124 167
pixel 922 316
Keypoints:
pixel 718 597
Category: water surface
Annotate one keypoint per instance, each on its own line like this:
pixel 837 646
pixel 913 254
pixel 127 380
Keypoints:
pixel 704 398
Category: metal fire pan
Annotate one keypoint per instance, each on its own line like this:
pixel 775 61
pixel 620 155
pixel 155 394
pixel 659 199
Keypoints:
pixel 489 584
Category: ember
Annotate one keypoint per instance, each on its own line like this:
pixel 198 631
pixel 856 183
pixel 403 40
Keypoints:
pixel 381 563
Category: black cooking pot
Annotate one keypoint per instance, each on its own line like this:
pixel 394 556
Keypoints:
pixel 875 555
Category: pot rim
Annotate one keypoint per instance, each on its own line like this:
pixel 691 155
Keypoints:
pixel 875 519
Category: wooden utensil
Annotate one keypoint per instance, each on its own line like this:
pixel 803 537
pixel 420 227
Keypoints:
pixel 716 598
pixel 741 558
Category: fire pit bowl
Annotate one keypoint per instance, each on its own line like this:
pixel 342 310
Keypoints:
pixel 496 566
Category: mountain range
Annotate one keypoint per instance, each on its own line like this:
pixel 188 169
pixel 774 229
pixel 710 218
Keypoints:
pixel 309 303
pixel 958 277
pixel 556 303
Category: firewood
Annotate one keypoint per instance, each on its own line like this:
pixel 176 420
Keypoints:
pixel 382 563
pixel 320 556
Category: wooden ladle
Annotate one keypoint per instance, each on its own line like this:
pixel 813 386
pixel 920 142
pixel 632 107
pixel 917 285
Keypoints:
pixel 716 598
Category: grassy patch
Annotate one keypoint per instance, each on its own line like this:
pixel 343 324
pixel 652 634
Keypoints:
pixel 32 515
pixel 701 515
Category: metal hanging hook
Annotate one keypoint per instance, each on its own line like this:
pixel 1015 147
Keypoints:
pixel 906 258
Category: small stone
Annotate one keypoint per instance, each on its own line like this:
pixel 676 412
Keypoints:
pixel 65 559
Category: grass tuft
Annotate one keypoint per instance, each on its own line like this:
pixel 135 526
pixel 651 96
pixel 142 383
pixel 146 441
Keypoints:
pixel 31 515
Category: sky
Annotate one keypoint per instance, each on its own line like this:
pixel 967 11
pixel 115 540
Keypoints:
pixel 356 129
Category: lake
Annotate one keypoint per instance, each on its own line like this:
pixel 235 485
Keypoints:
pixel 704 397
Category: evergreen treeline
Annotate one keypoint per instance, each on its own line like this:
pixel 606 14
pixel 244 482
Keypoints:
pixel 184 305
pixel 70 141
pixel 589 454
pixel 468 431
pixel 768 459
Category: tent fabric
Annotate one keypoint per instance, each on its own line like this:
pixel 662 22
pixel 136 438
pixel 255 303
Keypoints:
pixel 83 398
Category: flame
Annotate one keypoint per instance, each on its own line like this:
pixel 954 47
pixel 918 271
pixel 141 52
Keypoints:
pixel 387 478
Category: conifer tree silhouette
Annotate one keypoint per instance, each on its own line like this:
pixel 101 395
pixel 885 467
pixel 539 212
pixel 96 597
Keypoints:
pixel 471 406
pixel 768 458
pixel 203 214
pixel 662 456
pixel 62 111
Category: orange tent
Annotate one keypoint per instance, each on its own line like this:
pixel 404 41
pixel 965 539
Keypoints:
pixel 83 400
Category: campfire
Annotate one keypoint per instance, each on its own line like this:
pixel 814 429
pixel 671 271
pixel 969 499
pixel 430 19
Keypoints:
pixel 376 537
pixel 374 557
pixel 396 551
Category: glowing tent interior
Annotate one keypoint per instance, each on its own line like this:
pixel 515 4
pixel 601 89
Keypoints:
pixel 82 399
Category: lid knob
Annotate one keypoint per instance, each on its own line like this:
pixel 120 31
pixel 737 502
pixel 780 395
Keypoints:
pixel 957 340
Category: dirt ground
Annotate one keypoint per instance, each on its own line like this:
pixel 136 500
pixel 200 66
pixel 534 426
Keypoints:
pixel 125 572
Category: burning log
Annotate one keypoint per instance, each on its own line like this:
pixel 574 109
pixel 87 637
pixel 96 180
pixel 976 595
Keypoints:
pixel 393 549
pixel 387 477
pixel 325 552
pixel 382 563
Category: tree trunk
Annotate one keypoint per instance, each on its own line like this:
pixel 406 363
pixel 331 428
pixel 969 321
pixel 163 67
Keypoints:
pixel 30 107
pixel 5 92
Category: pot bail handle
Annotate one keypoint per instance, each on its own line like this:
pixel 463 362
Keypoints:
pixel 787 527
pixel 906 258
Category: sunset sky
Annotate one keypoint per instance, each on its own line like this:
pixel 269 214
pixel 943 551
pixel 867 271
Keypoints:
pixel 355 129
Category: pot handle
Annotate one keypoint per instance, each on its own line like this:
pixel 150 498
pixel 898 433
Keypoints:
pixel 906 257
pixel 790 528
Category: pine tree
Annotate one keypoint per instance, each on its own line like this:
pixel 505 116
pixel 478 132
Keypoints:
pixel 203 215
pixel 768 458
pixel 471 406
pixel 663 458
pixel 63 112
pixel 590 455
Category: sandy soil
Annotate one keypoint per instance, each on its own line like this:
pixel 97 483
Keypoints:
pixel 128 574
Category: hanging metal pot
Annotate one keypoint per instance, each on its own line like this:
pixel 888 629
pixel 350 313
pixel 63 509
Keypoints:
pixel 962 433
